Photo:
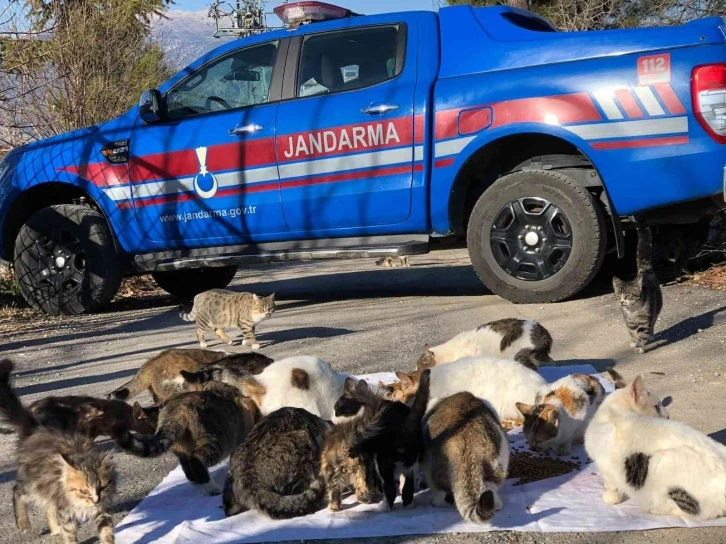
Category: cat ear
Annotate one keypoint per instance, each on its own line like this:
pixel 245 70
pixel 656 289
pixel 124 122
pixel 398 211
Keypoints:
pixel 407 381
pixel 553 418
pixel 637 390
pixel 617 283
pixel 139 411
pixel 525 409
pixel 349 386
pixel 272 297
pixel 427 347
pixel 361 387
pixel 255 297
pixel 69 461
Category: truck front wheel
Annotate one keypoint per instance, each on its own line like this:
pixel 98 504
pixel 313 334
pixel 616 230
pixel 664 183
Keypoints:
pixel 66 261
pixel 536 236
pixel 189 283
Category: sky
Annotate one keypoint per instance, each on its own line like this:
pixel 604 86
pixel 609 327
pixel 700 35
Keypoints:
pixel 359 6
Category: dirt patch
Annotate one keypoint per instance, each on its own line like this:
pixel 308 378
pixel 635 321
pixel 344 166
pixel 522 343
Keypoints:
pixel 139 286
pixel 713 278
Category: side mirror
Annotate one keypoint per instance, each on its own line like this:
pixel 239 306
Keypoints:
pixel 150 106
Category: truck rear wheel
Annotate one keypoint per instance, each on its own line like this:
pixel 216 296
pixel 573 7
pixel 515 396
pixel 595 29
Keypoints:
pixel 191 282
pixel 66 261
pixel 536 236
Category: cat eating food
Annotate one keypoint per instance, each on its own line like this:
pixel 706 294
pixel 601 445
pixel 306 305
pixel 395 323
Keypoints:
pixel 61 472
pixel 277 468
pixel 561 416
pixel 664 466
pixel 526 342
pixel 641 299
pixel 219 309
pixel 200 427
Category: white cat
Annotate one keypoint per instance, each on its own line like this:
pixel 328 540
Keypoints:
pixel 298 382
pixel 664 466
pixel 500 382
pixel 561 417
pixel 523 341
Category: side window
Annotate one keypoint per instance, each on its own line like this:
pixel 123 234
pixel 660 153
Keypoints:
pixel 237 80
pixel 343 61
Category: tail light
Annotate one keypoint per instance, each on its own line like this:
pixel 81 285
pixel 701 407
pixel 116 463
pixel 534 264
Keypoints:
pixel 708 90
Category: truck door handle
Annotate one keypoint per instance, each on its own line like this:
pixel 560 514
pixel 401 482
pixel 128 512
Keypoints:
pixel 244 129
pixel 377 108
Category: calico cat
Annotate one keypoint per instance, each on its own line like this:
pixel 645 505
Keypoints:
pixel 219 309
pixel 390 262
pixel 277 469
pixel 200 427
pixel 501 382
pixel 526 342
pixel 159 373
pixel 562 415
pixel 377 441
pixel 339 468
pixel 63 473
pixel 93 417
pixel 466 456
pixel 664 466
pixel 641 299
pixel 302 382
pixel 231 370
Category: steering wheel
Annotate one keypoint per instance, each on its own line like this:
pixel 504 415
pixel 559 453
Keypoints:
pixel 221 101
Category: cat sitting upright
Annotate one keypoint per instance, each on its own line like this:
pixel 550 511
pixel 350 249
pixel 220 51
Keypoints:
pixel 664 466
pixel 641 298
pixel 560 417
pixel 524 341
pixel 219 309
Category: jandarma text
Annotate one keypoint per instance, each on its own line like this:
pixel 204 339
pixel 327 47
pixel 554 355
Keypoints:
pixel 208 214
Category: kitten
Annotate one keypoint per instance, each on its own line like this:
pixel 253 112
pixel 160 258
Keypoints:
pixel 63 473
pixel 664 466
pixel 526 342
pixel 390 262
pixel 159 373
pixel 231 370
pixel 219 309
pixel 466 456
pixel 200 427
pixel 338 467
pixel 377 442
pixel 641 299
pixel 302 382
pixel 561 416
pixel 93 417
pixel 501 382
pixel 277 469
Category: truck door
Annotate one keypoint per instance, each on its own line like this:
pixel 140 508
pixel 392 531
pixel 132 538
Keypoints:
pixel 207 170
pixel 345 141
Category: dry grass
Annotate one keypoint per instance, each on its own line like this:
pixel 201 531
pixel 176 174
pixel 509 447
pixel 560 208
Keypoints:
pixel 713 278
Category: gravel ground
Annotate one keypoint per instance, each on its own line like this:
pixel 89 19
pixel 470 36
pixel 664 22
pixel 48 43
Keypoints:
pixel 362 319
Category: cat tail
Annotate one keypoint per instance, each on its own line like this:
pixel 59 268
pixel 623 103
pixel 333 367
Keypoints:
pixel 618 380
pixel 12 411
pixel 413 423
pixel 187 316
pixel 644 254
pixel 474 501
pixel 279 506
pixel 148 446
pixel 137 385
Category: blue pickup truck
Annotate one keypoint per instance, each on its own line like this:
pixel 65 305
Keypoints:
pixel 346 136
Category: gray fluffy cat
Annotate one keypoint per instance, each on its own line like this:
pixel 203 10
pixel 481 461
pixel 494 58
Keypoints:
pixel 61 472
pixel 641 299
pixel 219 309
pixel 277 469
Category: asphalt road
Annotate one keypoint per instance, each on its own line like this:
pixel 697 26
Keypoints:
pixel 362 319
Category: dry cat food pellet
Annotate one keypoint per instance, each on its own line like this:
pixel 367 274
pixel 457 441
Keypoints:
pixel 531 468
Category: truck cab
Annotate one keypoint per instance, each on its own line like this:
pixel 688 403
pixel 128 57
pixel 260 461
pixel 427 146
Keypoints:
pixel 345 136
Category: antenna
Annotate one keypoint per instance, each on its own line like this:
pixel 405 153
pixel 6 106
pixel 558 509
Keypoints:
pixel 244 18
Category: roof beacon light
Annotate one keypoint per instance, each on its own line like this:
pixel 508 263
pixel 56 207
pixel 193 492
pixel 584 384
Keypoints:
pixel 301 13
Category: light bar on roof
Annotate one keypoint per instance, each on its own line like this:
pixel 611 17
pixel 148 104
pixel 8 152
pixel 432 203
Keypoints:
pixel 309 12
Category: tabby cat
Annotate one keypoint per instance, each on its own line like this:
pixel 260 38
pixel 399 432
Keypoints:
pixel 641 299
pixel 466 456
pixel 159 374
pixel 63 473
pixel 93 417
pixel 200 427
pixel 231 370
pixel 277 469
pixel 219 309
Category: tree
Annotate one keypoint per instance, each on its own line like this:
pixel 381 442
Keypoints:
pixel 74 63
pixel 599 14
